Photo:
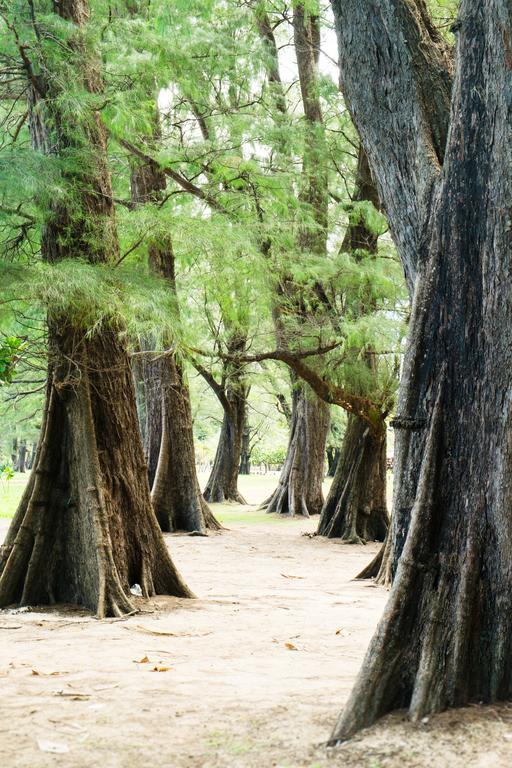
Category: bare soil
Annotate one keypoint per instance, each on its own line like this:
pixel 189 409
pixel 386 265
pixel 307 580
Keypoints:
pixel 250 674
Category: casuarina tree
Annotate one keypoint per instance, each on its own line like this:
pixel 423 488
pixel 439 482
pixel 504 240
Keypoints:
pixel 85 530
pixel 441 157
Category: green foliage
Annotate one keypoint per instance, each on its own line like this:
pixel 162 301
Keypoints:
pixel 219 128
pixel 10 348
pixel 269 456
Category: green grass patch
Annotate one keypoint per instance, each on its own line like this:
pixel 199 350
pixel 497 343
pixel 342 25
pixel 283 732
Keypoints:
pixel 10 494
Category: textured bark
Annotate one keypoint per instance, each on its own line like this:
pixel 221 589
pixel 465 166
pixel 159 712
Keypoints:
pixel 169 436
pixel 152 426
pixel 245 456
pixel 85 529
pixel 299 491
pixel 355 508
pixel 446 634
pixel 401 53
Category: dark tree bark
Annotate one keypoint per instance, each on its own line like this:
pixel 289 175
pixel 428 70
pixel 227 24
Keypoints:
pixel 232 393
pixel 355 508
pixel 245 456
pixel 85 529
pixel 169 436
pixel 152 416
pixel 22 456
pixel 299 491
pixel 333 454
pixel 446 635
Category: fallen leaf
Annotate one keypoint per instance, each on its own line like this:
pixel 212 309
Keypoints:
pixel 144 660
pixel 52 746
pixel 48 674
pixel 160 633
pixel 161 669
pixel 156 632
pixel 286 576
pixel 73 695
pixel 343 632
pixel 291 647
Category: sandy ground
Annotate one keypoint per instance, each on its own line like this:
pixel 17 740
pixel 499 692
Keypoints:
pixel 251 674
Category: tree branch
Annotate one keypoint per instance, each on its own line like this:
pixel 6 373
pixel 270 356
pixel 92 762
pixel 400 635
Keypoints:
pixel 217 388
pixel 183 182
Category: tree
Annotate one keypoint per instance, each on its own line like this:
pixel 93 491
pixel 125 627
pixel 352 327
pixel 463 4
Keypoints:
pixel 232 392
pixel 85 530
pixel 169 437
pixel 442 164
pixel 299 491
pixel 356 509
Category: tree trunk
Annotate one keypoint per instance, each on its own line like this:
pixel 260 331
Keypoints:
pixel 355 508
pixel 445 638
pixel 245 457
pixel 22 456
pixel 176 495
pixel 153 417
pixel 333 454
pixel 222 484
pixel 85 530
pixel 299 491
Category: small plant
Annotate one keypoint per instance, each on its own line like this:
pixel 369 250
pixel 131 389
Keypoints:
pixel 6 472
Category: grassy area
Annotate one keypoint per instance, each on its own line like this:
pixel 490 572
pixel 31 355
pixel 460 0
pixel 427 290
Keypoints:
pixel 10 494
pixel 254 488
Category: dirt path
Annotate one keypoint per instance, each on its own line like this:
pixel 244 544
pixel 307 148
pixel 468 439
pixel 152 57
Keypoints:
pixel 253 672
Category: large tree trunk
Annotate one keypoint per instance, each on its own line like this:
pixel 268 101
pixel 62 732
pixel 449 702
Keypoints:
pixel 299 491
pixel 222 484
pixel 446 635
pixel 355 508
pixel 85 530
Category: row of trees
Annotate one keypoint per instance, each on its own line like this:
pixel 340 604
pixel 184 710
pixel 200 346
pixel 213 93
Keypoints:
pixel 255 165
pixel 172 201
